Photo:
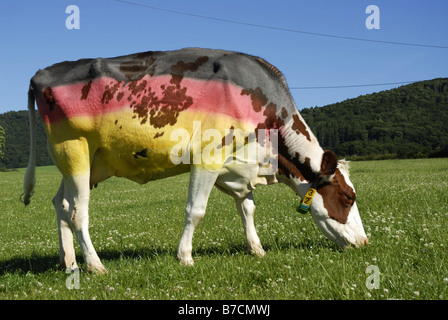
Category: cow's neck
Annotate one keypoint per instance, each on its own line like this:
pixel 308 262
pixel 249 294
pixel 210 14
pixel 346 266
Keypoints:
pixel 300 154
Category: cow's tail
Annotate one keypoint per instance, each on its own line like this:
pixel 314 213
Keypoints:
pixel 30 176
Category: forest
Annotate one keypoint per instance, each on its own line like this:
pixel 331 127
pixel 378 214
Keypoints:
pixel 406 122
pixel 17 140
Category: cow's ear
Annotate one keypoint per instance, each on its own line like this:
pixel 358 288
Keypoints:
pixel 329 164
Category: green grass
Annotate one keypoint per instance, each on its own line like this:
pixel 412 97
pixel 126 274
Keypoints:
pixel 136 229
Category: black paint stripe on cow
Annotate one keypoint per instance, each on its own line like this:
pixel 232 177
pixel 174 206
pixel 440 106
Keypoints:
pixel 243 70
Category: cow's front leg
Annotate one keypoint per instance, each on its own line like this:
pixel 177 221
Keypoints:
pixel 201 183
pixel 246 208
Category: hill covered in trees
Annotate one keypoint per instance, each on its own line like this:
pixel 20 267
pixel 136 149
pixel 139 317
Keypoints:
pixel 406 122
pixel 17 140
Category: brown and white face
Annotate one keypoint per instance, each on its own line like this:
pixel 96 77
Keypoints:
pixel 333 207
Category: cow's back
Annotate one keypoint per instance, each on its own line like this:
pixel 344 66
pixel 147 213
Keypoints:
pixel 243 70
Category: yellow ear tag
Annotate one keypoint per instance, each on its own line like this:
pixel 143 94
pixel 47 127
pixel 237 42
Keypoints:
pixel 304 206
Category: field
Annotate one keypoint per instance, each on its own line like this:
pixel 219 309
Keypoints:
pixel 136 229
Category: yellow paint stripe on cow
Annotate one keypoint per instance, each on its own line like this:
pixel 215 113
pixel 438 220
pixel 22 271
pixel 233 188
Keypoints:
pixel 121 137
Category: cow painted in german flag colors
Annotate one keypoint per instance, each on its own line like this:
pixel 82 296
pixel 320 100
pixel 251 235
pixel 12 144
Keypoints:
pixel 227 118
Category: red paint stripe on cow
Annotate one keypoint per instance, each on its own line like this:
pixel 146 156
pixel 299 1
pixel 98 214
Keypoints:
pixel 145 96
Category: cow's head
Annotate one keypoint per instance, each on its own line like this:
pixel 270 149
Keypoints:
pixel 333 205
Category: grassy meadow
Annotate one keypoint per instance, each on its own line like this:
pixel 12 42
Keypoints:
pixel 136 229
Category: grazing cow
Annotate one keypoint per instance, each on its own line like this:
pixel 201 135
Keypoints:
pixel 151 115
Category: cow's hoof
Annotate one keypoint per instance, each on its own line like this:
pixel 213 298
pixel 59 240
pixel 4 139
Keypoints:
pixel 96 269
pixel 186 261
pixel 257 251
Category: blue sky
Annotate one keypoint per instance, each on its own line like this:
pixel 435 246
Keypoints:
pixel 33 35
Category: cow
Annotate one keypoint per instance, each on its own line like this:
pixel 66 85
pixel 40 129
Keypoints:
pixel 149 115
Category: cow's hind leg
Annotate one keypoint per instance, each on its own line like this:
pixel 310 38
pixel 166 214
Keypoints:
pixel 76 193
pixel 246 208
pixel 72 202
pixel 201 183
pixel 66 248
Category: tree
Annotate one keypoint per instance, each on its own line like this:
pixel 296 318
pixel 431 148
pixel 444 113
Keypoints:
pixel 2 142
pixel 17 133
